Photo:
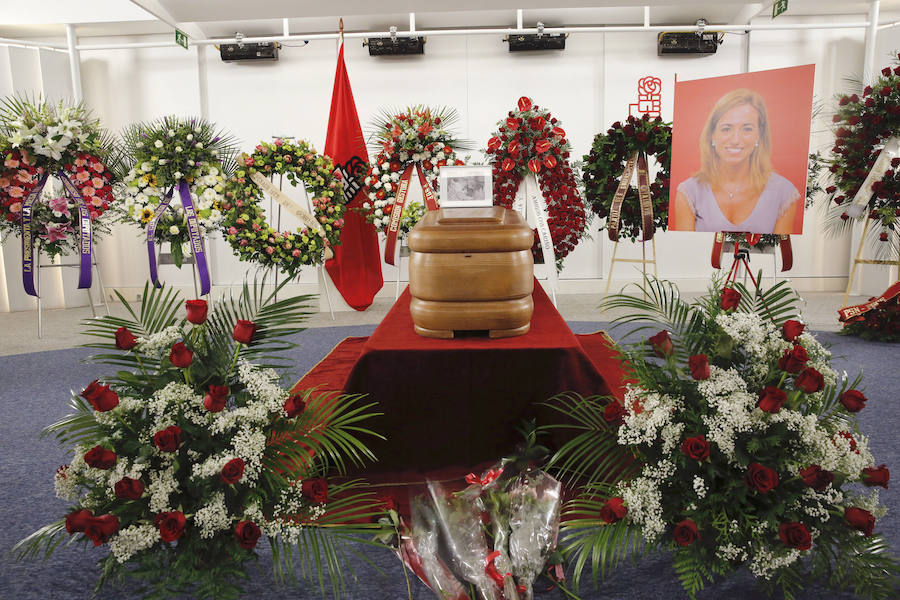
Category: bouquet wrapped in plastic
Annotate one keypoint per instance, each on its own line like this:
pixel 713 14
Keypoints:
pixel 496 534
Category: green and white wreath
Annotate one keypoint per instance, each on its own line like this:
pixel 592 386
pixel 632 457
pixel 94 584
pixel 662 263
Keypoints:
pixel 248 232
pixel 158 155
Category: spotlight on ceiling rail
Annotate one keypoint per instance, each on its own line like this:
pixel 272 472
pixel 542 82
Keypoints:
pixel 521 42
pixel 395 45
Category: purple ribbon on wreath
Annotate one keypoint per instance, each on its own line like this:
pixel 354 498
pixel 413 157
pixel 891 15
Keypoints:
pixel 196 239
pixel 85 233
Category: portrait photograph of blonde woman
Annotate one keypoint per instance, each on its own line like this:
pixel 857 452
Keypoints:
pixel 739 152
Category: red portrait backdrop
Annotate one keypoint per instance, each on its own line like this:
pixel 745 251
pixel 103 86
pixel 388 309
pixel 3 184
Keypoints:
pixel 787 94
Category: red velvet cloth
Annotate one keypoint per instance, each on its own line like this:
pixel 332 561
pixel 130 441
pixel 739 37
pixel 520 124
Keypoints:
pixel 458 401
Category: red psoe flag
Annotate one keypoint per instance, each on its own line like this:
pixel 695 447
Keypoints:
pixel 356 266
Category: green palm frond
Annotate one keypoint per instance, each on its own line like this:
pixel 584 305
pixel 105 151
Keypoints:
pixel 330 429
pixel 275 320
pixel 325 546
pixel 660 304
pixel 42 542
pixel 585 538
pixel 779 302
pixel 593 454
pixel 78 428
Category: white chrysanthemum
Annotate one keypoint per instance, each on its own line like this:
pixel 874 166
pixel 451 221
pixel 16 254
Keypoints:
pixel 132 539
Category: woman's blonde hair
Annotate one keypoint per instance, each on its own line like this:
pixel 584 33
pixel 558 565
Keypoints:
pixel 760 157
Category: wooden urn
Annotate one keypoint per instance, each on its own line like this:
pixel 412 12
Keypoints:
pixel 471 269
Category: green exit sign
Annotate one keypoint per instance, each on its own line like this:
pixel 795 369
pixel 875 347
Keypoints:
pixel 779 7
pixel 182 40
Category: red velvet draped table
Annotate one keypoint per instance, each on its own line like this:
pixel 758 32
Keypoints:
pixel 457 402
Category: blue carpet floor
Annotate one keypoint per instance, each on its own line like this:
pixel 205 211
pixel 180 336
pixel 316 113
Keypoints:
pixel 33 394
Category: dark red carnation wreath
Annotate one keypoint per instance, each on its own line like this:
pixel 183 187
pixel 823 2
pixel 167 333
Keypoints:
pixel 529 139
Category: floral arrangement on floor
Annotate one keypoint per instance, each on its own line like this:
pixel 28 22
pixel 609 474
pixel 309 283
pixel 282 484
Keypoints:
pixel 182 462
pixel 605 165
pixel 863 125
pixel 417 135
pixel 881 324
pixel 39 139
pixel 246 229
pixel 746 448
pixel 160 154
pixel 531 140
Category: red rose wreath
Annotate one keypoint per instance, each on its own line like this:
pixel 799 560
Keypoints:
pixel 529 139
pixel 865 160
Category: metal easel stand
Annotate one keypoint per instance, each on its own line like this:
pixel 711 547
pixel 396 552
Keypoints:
pixel 186 260
pixel 860 261
pixel 643 261
pixel 745 264
pixel 37 286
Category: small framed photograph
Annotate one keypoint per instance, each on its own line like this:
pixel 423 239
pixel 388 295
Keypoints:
pixel 462 187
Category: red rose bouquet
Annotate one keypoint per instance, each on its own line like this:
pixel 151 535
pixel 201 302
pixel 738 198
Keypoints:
pixel 746 443
pixel 183 463
pixel 866 130
pixel 881 323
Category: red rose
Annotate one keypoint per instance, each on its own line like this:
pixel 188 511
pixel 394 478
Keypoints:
pixel 614 510
pixel 853 400
pixel 387 501
pixel 125 340
pixel 76 521
pixel 795 535
pixel 699 366
pixel 524 103
pixel 810 381
pixel 244 331
pixel 171 525
pixel 816 477
pixel 100 458
pixel 860 519
pixel 294 405
pixel 99 529
pixel 730 298
pixel 876 476
pixel 507 164
pixel 247 533
pixel 101 397
pixel 232 471
pixel 168 439
pixel 534 165
pixel 685 533
pixel 614 413
pixel 316 489
pixel 512 123
pixel 791 329
pixel 793 360
pixel 196 311
pixel 180 356
pixel 129 489
pixel 216 397
pixel 696 447
pixel 662 344
pixel 771 399
pixel 760 478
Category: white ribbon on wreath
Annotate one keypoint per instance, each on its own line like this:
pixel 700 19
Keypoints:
pixel 530 194
pixel 882 165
